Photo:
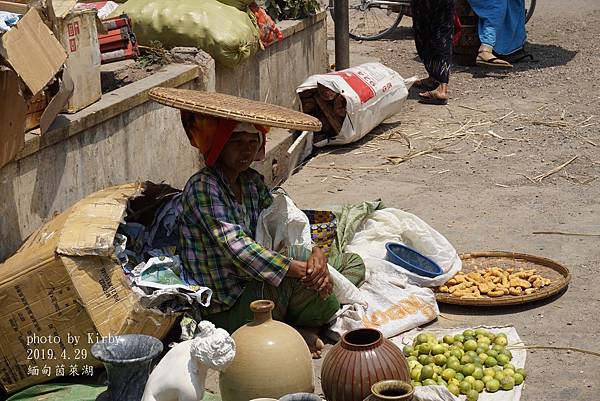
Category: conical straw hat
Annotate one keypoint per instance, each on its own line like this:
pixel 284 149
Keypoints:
pixel 235 108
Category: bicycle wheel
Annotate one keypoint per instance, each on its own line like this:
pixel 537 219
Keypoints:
pixel 369 20
pixel 529 8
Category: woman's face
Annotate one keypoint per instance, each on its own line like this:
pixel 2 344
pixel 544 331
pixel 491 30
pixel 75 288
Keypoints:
pixel 240 151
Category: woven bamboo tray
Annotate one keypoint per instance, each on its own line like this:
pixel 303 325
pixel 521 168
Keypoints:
pixel 556 272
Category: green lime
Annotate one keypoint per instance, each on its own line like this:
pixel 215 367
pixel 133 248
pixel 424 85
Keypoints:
pixel 421 338
pixel 448 374
pixel 489 372
pixel 470 345
pixel 490 362
pixel 507 383
pixel 522 372
pixel 453 388
pixel 472 395
pixel 487 378
pixel 492 353
pixel 423 359
pixel 448 339
pixel 477 373
pixel 499 376
pixel 415 373
pixel 437 349
pixel 456 352
pixel 459 376
pixel 464 387
pixel 508 372
pixel 510 366
pixel 492 386
pixel 413 364
pixel 453 364
pixel 483 356
pixel 469 333
pixel 440 360
pixel 502 359
pixel 479 385
pixel 424 349
pixel 429 382
pixel 507 353
pixel 470 379
pixel 518 378
pixel 426 372
pixel 466 359
pixel 468 369
pixel 417 384
pixel 481 332
pixel 480 349
pixel 503 341
pixel 408 349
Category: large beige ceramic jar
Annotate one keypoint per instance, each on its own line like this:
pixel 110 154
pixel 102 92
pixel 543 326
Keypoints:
pixel 271 359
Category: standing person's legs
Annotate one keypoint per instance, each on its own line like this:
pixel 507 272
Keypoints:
pixel 440 50
pixel 422 33
pixel 491 16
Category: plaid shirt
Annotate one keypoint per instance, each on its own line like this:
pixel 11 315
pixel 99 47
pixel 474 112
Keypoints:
pixel 216 236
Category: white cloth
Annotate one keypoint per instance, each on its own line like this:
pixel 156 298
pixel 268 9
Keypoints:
pixel 395 225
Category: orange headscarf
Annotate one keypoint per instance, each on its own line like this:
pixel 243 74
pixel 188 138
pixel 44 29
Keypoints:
pixel 210 134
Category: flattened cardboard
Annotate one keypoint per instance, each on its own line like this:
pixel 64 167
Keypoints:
pixel 12 116
pixel 45 292
pixel 14 7
pixel 31 49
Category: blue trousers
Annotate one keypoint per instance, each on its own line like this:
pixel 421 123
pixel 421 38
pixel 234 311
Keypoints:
pixel 501 24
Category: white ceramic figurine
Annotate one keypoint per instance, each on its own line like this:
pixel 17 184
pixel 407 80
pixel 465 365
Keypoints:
pixel 181 374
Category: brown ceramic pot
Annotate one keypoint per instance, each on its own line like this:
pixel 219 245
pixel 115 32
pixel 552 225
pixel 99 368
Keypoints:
pixel 362 358
pixel 271 359
pixel 391 390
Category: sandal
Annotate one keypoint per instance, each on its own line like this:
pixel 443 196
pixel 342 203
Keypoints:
pixel 430 97
pixel 426 84
pixel 491 61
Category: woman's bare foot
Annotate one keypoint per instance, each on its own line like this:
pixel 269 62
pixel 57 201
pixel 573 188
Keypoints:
pixel 311 337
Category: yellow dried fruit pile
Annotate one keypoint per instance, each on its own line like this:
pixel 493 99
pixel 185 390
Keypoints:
pixel 494 282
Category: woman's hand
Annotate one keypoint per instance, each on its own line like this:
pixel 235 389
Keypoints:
pixel 297 269
pixel 317 273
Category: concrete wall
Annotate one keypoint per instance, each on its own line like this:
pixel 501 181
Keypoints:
pixel 273 75
pixel 139 140
pixel 125 138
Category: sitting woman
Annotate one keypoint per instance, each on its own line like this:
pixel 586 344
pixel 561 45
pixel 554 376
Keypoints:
pixel 221 206
pixel 501 30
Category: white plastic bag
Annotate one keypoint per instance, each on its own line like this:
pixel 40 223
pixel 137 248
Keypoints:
pixel 283 225
pixel 391 224
pixel 373 93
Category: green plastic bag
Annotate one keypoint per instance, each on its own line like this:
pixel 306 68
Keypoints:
pixel 226 33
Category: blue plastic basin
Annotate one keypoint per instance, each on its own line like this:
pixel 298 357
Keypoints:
pixel 403 256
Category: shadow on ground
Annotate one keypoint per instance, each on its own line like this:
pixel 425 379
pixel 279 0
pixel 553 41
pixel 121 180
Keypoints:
pixel 544 56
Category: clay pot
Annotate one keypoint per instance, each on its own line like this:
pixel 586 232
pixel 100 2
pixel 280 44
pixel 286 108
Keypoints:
pixel 362 358
pixel 271 359
pixel 388 390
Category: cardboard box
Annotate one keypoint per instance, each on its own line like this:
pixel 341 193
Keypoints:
pixel 64 283
pixel 12 116
pixel 79 36
pixel 31 50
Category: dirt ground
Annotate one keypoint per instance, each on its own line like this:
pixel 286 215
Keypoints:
pixel 503 129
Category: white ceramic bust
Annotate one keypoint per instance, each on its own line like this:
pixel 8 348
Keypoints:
pixel 181 374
